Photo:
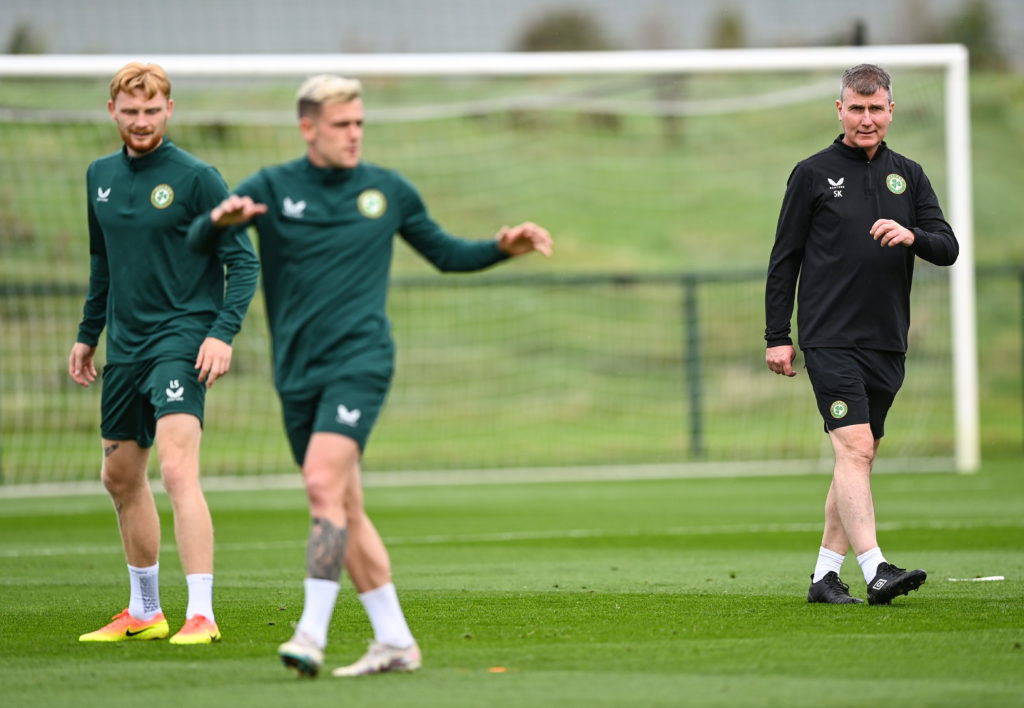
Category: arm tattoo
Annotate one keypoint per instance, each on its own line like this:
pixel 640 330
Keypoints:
pixel 326 551
pixel 109 450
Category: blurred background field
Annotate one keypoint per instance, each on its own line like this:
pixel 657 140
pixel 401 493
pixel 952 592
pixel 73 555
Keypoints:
pixel 640 343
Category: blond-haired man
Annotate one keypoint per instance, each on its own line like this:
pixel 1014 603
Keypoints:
pixel 170 323
pixel 326 223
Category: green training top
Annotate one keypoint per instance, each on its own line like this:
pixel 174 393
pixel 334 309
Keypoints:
pixel 156 296
pixel 325 248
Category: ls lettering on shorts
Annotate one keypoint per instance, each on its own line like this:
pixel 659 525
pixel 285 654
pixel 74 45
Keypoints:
pixel 136 395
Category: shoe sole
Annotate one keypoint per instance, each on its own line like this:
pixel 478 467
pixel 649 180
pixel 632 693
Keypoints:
pixel 401 669
pixel 137 637
pixel 301 665
pixel 189 642
pixel 122 639
pixel 851 601
pixel 910 583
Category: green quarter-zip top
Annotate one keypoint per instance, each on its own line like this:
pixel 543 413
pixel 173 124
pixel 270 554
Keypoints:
pixel 326 245
pixel 155 296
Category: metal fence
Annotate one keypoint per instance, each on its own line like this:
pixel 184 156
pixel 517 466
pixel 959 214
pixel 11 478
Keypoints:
pixel 498 371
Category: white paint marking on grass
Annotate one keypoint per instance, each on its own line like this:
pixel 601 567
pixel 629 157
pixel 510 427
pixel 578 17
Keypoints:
pixel 29 551
pixel 706 530
pixel 546 535
pixel 524 475
pixel 976 580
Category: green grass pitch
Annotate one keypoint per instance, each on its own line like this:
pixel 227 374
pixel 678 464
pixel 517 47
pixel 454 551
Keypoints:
pixel 639 593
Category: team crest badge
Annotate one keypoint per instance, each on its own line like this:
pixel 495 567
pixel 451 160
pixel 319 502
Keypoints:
pixel 372 203
pixel 162 196
pixel 896 183
pixel 839 409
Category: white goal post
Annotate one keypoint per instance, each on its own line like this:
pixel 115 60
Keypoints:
pixel 951 59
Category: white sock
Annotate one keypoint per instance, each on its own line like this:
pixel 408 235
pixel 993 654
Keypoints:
pixel 389 625
pixel 316 613
pixel 827 561
pixel 200 595
pixel 869 561
pixel 144 603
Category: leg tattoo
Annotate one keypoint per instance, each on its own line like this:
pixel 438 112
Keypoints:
pixel 109 449
pixel 326 551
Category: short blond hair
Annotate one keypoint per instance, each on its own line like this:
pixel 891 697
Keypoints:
pixel 151 79
pixel 326 88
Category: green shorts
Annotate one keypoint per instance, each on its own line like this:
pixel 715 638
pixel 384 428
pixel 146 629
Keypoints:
pixel 136 395
pixel 349 406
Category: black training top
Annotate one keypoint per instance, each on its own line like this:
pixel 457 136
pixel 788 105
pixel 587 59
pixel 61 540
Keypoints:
pixel 853 292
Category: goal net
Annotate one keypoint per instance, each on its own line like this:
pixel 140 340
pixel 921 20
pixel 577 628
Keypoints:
pixel 639 345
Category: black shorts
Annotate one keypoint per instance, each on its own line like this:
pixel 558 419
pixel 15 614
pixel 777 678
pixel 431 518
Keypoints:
pixel 855 386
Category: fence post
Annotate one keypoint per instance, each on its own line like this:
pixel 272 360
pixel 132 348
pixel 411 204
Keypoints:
pixel 691 364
